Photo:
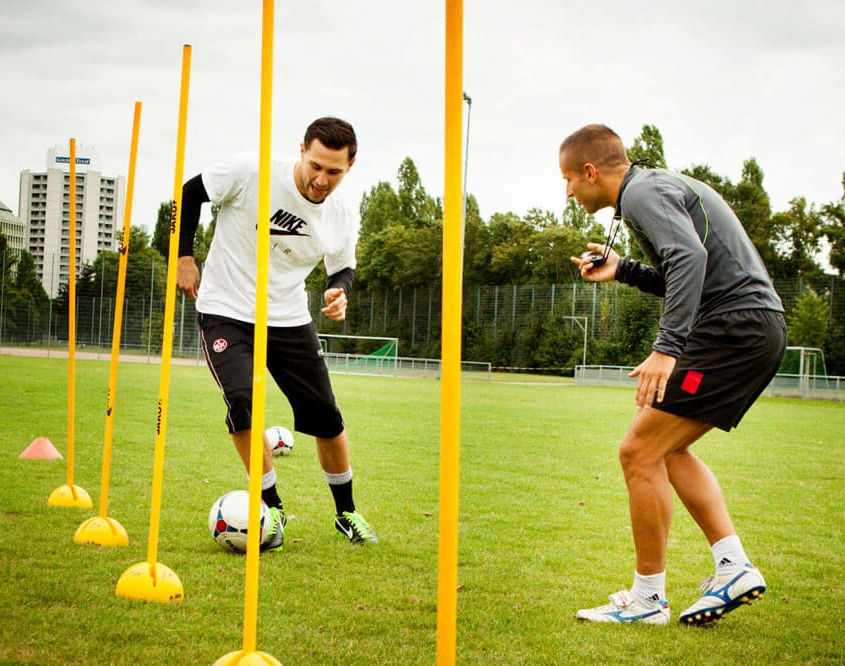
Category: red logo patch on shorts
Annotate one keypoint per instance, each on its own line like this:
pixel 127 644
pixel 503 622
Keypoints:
pixel 692 381
pixel 219 345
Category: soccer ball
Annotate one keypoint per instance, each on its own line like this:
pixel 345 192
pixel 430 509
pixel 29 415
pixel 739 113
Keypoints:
pixel 280 440
pixel 229 518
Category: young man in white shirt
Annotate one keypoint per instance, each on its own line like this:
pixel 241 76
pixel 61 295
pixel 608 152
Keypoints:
pixel 306 226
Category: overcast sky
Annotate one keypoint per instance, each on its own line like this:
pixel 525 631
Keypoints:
pixel 723 81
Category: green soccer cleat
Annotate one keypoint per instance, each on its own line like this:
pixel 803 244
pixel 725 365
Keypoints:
pixel 276 538
pixel 352 525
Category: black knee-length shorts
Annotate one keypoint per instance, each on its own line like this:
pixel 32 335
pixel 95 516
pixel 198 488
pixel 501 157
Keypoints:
pixel 294 360
pixel 727 362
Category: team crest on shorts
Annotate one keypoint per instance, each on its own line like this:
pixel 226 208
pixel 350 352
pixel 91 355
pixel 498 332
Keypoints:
pixel 219 345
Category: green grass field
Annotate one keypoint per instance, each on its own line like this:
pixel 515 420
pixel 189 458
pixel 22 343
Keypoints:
pixel 543 529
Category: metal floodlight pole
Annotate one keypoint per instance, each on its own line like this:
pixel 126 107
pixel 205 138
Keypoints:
pixel 468 100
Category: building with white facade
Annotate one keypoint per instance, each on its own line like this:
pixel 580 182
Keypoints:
pixel 45 211
pixel 12 228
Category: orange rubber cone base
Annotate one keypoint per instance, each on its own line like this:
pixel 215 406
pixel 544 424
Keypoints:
pixel 144 583
pixel 101 531
pixel 242 658
pixel 42 448
pixel 70 496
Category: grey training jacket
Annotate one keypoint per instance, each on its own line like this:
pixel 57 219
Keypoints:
pixel 702 261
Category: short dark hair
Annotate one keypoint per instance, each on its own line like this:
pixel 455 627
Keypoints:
pixel 595 143
pixel 333 133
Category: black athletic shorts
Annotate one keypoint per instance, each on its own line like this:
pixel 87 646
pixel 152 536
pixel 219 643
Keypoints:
pixel 294 360
pixel 727 362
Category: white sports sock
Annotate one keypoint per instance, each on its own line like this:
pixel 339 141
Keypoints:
pixel 268 480
pixel 649 589
pixel 728 553
pixel 339 479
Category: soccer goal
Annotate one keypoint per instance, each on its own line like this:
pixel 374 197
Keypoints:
pixel 360 354
pixel 365 345
pixel 803 374
pixel 804 362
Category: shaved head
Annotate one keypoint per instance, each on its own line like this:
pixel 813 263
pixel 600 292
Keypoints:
pixel 597 144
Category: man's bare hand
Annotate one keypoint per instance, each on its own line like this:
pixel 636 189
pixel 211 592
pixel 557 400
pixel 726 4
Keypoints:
pixel 605 271
pixel 335 304
pixel 653 374
pixel 188 276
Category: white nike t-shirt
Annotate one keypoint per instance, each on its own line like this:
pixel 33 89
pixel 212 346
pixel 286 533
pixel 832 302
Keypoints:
pixel 301 234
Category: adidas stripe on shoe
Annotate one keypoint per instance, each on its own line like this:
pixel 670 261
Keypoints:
pixel 624 608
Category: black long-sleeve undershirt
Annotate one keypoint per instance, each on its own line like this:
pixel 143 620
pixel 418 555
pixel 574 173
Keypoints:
pixel 343 279
pixel 193 197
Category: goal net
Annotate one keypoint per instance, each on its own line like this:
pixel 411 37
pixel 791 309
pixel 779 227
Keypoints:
pixel 360 353
pixel 803 362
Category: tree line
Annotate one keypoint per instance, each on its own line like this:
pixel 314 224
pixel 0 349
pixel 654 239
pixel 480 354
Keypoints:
pixel 401 239
pixel 400 248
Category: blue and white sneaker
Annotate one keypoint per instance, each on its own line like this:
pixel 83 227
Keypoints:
pixel 723 593
pixel 624 608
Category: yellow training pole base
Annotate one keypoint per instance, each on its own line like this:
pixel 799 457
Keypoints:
pixel 70 496
pixel 242 658
pixel 161 584
pixel 101 531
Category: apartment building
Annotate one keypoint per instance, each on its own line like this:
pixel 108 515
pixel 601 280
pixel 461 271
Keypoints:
pixel 45 211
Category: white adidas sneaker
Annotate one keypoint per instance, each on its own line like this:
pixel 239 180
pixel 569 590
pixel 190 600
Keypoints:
pixel 624 608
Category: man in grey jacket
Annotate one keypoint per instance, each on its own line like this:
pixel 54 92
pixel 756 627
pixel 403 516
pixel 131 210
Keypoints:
pixel 720 341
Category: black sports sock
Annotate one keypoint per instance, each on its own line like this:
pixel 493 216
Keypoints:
pixel 271 498
pixel 342 494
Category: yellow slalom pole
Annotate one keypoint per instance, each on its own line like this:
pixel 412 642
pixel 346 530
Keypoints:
pixel 151 580
pixel 249 654
pixel 71 314
pixel 102 530
pixel 69 494
pixel 259 368
pixel 450 396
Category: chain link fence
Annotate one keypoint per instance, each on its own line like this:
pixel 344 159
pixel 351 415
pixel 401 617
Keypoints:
pixel 516 326
pixel 620 320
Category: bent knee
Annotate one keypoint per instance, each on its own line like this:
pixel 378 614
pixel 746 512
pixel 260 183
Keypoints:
pixel 638 452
